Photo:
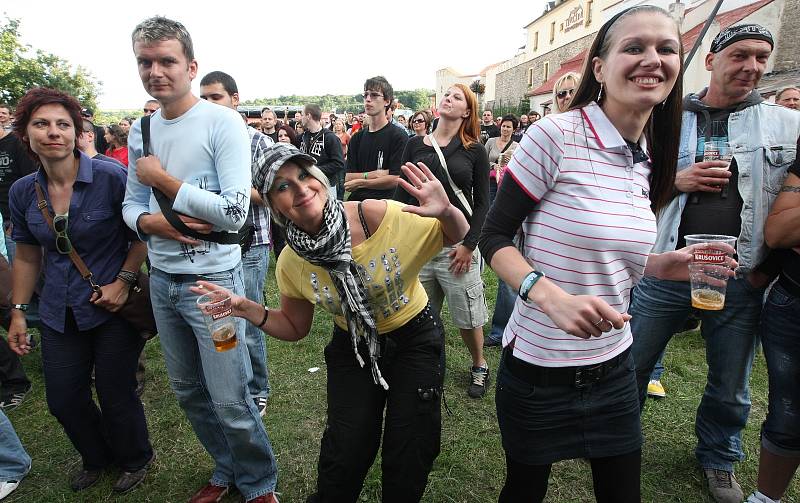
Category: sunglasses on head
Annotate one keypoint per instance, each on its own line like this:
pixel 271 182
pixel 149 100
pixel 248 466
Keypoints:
pixel 63 244
pixel 566 92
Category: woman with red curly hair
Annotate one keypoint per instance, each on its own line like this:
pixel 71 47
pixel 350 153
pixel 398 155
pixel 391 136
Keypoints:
pixel 80 330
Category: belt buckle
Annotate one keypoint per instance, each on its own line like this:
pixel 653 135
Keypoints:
pixel 586 376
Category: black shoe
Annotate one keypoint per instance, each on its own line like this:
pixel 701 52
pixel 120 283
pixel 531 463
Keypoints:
pixel 479 378
pixel 84 479
pixel 12 401
pixel 129 480
pixel 261 405
pixel 488 342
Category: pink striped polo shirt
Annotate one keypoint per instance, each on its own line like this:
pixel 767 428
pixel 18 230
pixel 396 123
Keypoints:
pixel 590 234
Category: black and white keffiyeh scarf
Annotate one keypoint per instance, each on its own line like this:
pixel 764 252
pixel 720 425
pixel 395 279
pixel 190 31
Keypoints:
pixel 331 249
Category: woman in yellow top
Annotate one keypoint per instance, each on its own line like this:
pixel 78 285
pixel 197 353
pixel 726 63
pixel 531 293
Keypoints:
pixel 360 261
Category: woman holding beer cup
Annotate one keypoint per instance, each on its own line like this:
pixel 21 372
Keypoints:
pixel 360 262
pixel 500 150
pixel 584 185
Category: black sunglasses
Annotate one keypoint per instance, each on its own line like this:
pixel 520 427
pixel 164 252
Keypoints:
pixel 418 121
pixel 563 94
pixel 63 244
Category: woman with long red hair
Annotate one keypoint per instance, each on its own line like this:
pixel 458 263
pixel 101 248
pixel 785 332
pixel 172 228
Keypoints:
pixel 460 162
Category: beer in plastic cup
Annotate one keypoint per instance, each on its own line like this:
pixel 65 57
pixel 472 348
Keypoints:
pixel 709 283
pixel 708 271
pixel 718 151
pixel 218 315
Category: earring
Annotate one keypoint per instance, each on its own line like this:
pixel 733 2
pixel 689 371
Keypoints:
pixel 664 103
pixel 600 94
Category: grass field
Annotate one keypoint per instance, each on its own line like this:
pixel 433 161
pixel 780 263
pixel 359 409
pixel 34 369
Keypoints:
pixel 470 467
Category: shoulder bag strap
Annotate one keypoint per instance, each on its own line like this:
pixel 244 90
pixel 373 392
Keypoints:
pixel 165 203
pixel 459 193
pixel 73 255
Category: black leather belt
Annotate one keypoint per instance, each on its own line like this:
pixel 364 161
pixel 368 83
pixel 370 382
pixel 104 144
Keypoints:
pixel 579 377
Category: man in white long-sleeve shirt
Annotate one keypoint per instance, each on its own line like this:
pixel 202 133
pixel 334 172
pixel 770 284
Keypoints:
pixel 200 159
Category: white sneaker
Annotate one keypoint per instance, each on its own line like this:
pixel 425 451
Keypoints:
pixel 7 488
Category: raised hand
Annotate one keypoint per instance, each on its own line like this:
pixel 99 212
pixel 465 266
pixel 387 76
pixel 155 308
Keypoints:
pixel 426 189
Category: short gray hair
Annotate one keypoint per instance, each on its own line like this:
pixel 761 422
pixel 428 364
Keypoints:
pixel 159 28
pixel 780 93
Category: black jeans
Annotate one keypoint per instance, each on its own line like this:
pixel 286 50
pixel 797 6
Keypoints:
pixel 12 375
pixel 118 434
pixel 412 363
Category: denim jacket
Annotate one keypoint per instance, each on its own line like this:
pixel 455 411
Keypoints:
pixel 764 139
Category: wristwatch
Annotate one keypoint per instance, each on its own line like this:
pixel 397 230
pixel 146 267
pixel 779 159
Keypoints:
pixel 21 307
pixel 527 283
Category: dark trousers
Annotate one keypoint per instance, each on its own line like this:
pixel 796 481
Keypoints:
pixel 12 375
pixel 528 483
pixel 413 365
pixel 117 431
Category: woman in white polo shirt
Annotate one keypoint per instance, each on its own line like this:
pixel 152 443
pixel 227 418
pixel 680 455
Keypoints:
pixel 584 184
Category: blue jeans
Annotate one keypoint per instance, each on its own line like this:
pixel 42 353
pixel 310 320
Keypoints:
pixel 255 264
pixel 780 433
pixel 14 461
pixel 503 307
pixel 211 386
pixel 658 370
pixel 659 309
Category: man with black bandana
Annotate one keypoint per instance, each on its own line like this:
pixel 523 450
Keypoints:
pixel 714 198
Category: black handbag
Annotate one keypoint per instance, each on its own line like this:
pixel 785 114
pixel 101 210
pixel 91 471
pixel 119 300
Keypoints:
pixel 137 310
pixel 244 238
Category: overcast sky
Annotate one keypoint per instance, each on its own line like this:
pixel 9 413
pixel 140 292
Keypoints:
pixel 271 48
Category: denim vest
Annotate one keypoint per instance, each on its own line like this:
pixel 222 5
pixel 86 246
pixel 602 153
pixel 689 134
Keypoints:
pixel 764 140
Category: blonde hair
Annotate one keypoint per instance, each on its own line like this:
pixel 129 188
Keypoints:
pixel 573 76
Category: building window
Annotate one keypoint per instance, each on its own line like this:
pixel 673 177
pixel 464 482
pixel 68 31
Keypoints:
pixel 530 76
pixel 546 73
pixel 535 40
pixel 552 31
pixel 588 12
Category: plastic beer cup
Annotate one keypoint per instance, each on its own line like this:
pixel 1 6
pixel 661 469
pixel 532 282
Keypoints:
pixel 708 272
pixel 218 315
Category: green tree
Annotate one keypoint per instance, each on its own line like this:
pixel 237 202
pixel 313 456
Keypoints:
pixel 22 67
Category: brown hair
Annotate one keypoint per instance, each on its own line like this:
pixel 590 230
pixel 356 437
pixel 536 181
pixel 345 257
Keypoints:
pixel 38 97
pixel 662 130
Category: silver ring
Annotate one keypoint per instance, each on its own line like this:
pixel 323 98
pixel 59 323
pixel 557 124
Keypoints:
pixel 598 322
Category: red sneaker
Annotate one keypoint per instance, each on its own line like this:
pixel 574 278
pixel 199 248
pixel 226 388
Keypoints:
pixel 265 498
pixel 209 494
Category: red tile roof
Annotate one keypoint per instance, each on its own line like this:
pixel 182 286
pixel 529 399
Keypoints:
pixel 725 20
pixel 573 64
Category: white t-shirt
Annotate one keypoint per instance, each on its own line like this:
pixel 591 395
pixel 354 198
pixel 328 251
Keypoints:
pixel 591 232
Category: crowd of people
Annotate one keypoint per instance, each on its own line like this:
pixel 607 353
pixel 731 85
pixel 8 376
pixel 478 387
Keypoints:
pixel 379 219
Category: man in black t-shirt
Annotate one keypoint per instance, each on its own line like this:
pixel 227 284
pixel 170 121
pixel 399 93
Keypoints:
pixel 322 144
pixel 488 128
pixel 374 153
pixel 15 162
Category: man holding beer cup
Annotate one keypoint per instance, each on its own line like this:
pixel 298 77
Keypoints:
pixel 734 153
